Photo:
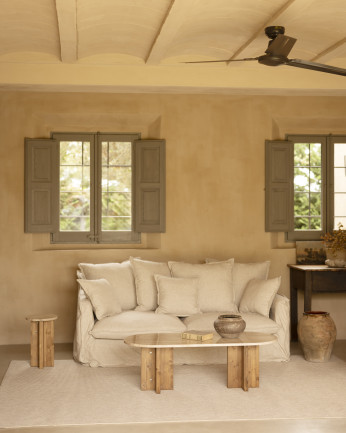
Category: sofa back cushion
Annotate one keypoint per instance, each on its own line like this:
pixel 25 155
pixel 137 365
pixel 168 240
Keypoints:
pixel 146 291
pixel 119 276
pixel 177 296
pixel 245 272
pixel 103 297
pixel 259 295
pixel 215 284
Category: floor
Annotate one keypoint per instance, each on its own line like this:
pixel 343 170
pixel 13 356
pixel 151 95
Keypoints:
pixel 64 351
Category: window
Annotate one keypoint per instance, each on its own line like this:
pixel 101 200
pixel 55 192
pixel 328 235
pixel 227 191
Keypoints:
pixel 306 185
pixel 94 187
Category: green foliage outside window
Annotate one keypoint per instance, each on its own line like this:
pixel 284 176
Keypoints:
pixel 307 186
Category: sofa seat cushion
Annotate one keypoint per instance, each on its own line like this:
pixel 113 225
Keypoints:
pixel 254 322
pixel 136 322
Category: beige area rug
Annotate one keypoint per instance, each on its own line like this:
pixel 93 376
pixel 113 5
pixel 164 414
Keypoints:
pixel 70 394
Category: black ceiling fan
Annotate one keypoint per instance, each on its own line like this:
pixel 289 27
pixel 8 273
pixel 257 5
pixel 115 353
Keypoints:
pixel 276 54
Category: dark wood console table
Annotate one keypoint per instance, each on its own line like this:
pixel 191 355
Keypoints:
pixel 312 279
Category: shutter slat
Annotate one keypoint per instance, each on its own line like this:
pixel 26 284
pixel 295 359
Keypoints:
pixel 279 186
pixel 150 182
pixel 41 185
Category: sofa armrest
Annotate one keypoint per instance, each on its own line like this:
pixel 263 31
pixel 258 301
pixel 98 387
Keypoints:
pixel 84 324
pixel 280 311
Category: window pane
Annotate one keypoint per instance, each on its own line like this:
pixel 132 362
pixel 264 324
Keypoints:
pixel 116 223
pixel 116 185
pixel 301 204
pixel 316 179
pixel 74 186
pixel 116 179
pixel 301 179
pixel 301 223
pixel 339 184
pixel 74 224
pixel 307 186
pixel 315 154
pixel 116 204
pixel 301 154
pixel 340 205
pixel 315 224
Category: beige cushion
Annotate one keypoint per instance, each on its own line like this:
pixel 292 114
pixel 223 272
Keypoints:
pixel 259 295
pixel 120 277
pixel 103 297
pixel 215 286
pixel 136 322
pixel 243 273
pixel 178 296
pixel 146 291
pixel 254 322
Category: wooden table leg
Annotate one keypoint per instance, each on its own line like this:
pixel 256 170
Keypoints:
pixel 293 306
pixel 148 369
pixel 307 291
pixel 235 364
pixel 251 367
pixel 243 367
pixel 156 369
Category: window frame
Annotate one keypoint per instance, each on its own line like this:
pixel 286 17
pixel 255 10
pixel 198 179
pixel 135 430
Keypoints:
pixel 312 235
pixel 95 235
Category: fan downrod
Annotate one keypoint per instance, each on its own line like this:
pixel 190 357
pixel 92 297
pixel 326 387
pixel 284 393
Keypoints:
pixel 273 31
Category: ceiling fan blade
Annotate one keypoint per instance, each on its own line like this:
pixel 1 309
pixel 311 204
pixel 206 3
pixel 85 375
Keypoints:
pixel 316 66
pixel 281 45
pixel 225 61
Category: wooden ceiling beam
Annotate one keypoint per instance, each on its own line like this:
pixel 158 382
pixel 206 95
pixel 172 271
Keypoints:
pixel 170 26
pixel 260 30
pixel 67 22
pixel 329 50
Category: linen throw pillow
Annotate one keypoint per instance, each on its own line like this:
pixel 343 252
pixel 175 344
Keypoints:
pixel 245 272
pixel 215 284
pixel 178 296
pixel 103 297
pixel 146 290
pixel 119 276
pixel 259 295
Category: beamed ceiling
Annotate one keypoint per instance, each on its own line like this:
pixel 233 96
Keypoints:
pixel 140 45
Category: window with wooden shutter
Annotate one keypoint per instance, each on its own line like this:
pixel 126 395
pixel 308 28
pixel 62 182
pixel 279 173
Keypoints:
pixel 306 185
pixel 95 187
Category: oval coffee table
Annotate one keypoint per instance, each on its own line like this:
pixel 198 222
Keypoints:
pixel 157 357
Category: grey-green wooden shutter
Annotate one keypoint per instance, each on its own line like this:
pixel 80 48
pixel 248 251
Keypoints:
pixel 279 186
pixel 150 186
pixel 41 185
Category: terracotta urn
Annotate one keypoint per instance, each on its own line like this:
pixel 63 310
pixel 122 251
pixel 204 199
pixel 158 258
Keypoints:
pixel 316 333
pixel 229 325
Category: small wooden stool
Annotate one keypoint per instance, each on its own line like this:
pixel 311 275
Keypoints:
pixel 42 340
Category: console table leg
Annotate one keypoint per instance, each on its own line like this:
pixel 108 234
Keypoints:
pixel 293 306
pixel 307 291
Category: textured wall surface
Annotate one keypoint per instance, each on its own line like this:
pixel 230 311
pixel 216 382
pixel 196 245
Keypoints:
pixel 215 189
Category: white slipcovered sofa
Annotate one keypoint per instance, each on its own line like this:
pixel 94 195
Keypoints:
pixel 116 300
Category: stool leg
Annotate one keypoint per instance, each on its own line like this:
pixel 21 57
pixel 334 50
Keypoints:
pixel 49 344
pixel 41 344
pixel 34 344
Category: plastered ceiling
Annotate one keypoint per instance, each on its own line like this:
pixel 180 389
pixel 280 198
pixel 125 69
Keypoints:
pixel 140 45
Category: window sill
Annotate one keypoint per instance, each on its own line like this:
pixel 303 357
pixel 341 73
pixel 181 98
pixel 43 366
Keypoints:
pixel 41 242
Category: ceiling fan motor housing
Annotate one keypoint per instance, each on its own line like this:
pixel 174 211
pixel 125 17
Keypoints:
pixel 273 31
pixel 272 60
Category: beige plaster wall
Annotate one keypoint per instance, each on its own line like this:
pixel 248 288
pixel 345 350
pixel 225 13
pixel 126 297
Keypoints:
pixel 215 189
